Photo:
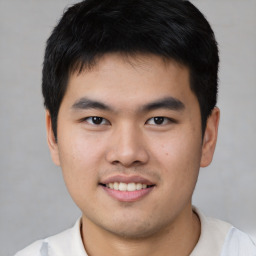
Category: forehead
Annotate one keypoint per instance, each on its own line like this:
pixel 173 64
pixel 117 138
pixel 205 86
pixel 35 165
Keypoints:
pixel 126 80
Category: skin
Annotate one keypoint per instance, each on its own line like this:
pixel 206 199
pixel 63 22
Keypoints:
pixel 129 142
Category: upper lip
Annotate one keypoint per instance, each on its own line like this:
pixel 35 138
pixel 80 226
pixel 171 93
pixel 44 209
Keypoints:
pixel 126 179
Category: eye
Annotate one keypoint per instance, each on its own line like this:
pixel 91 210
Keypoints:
pixel 159 120
pixel 96 120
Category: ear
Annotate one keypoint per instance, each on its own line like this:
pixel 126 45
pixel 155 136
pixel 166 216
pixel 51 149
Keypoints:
pixel 52 144
pixel 210 137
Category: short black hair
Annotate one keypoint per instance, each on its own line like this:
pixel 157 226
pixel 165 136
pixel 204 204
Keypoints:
pixel 172 29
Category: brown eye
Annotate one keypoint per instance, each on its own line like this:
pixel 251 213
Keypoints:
pixel 96 120
pixel 158 120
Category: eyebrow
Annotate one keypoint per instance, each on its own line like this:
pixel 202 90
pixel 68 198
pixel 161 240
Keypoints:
pixel 85 103
pixel 170 103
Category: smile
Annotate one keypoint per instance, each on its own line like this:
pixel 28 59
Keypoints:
pixel 120 186
pixel 127 188
pixel 127 192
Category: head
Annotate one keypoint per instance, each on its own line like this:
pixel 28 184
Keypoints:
pixel 172 29
pixel 130 89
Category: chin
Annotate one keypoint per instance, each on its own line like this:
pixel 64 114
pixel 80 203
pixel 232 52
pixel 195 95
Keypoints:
pixel 136 229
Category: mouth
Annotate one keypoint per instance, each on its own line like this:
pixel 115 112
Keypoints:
pixel 127 189
pixel 121 186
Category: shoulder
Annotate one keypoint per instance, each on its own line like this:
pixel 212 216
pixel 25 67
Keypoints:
pixel 65 243
pixel 238 243
pixel 33 249
pixel 212 237
pixel 222 239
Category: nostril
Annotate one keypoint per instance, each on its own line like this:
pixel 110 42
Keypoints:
pixel 127 163
pixel 127 155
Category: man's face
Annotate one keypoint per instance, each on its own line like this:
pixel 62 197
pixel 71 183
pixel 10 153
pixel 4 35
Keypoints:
pixel 130 121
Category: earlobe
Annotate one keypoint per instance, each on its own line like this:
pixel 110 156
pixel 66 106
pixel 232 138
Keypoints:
pixel 210 137
pixel 52 144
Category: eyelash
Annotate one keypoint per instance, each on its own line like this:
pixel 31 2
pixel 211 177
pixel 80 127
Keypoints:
pixel 97 120
pixel 163 120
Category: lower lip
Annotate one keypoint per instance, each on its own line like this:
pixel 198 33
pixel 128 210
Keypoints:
pixel 127 196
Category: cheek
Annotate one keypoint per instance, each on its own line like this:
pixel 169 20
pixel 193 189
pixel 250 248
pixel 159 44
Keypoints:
pixel 180 149
pixel 80 158
pixel 80 148
pixel 179 158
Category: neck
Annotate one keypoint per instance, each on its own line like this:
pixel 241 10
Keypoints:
pixel 177 239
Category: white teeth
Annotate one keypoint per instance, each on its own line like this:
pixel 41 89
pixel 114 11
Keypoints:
pixel 126 187
pixel 122 186
pixel 131 187
pixel 138 186
pixel 116 186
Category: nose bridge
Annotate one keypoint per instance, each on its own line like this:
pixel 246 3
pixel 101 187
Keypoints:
pixel 127 145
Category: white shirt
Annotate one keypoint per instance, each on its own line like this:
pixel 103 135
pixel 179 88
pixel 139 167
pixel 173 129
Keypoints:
pixel 217 238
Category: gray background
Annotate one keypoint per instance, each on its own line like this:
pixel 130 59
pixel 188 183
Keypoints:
pixel 34 201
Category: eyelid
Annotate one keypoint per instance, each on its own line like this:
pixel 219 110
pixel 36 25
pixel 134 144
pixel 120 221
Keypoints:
pixel 104 120
pixel 167 120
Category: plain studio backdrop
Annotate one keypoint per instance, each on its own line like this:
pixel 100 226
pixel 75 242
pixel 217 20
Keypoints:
pixel 34 201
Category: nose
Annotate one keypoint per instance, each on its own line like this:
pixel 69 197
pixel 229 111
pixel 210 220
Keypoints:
pixel 127 147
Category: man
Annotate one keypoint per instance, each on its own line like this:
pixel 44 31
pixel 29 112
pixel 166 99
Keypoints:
pixel 130 90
